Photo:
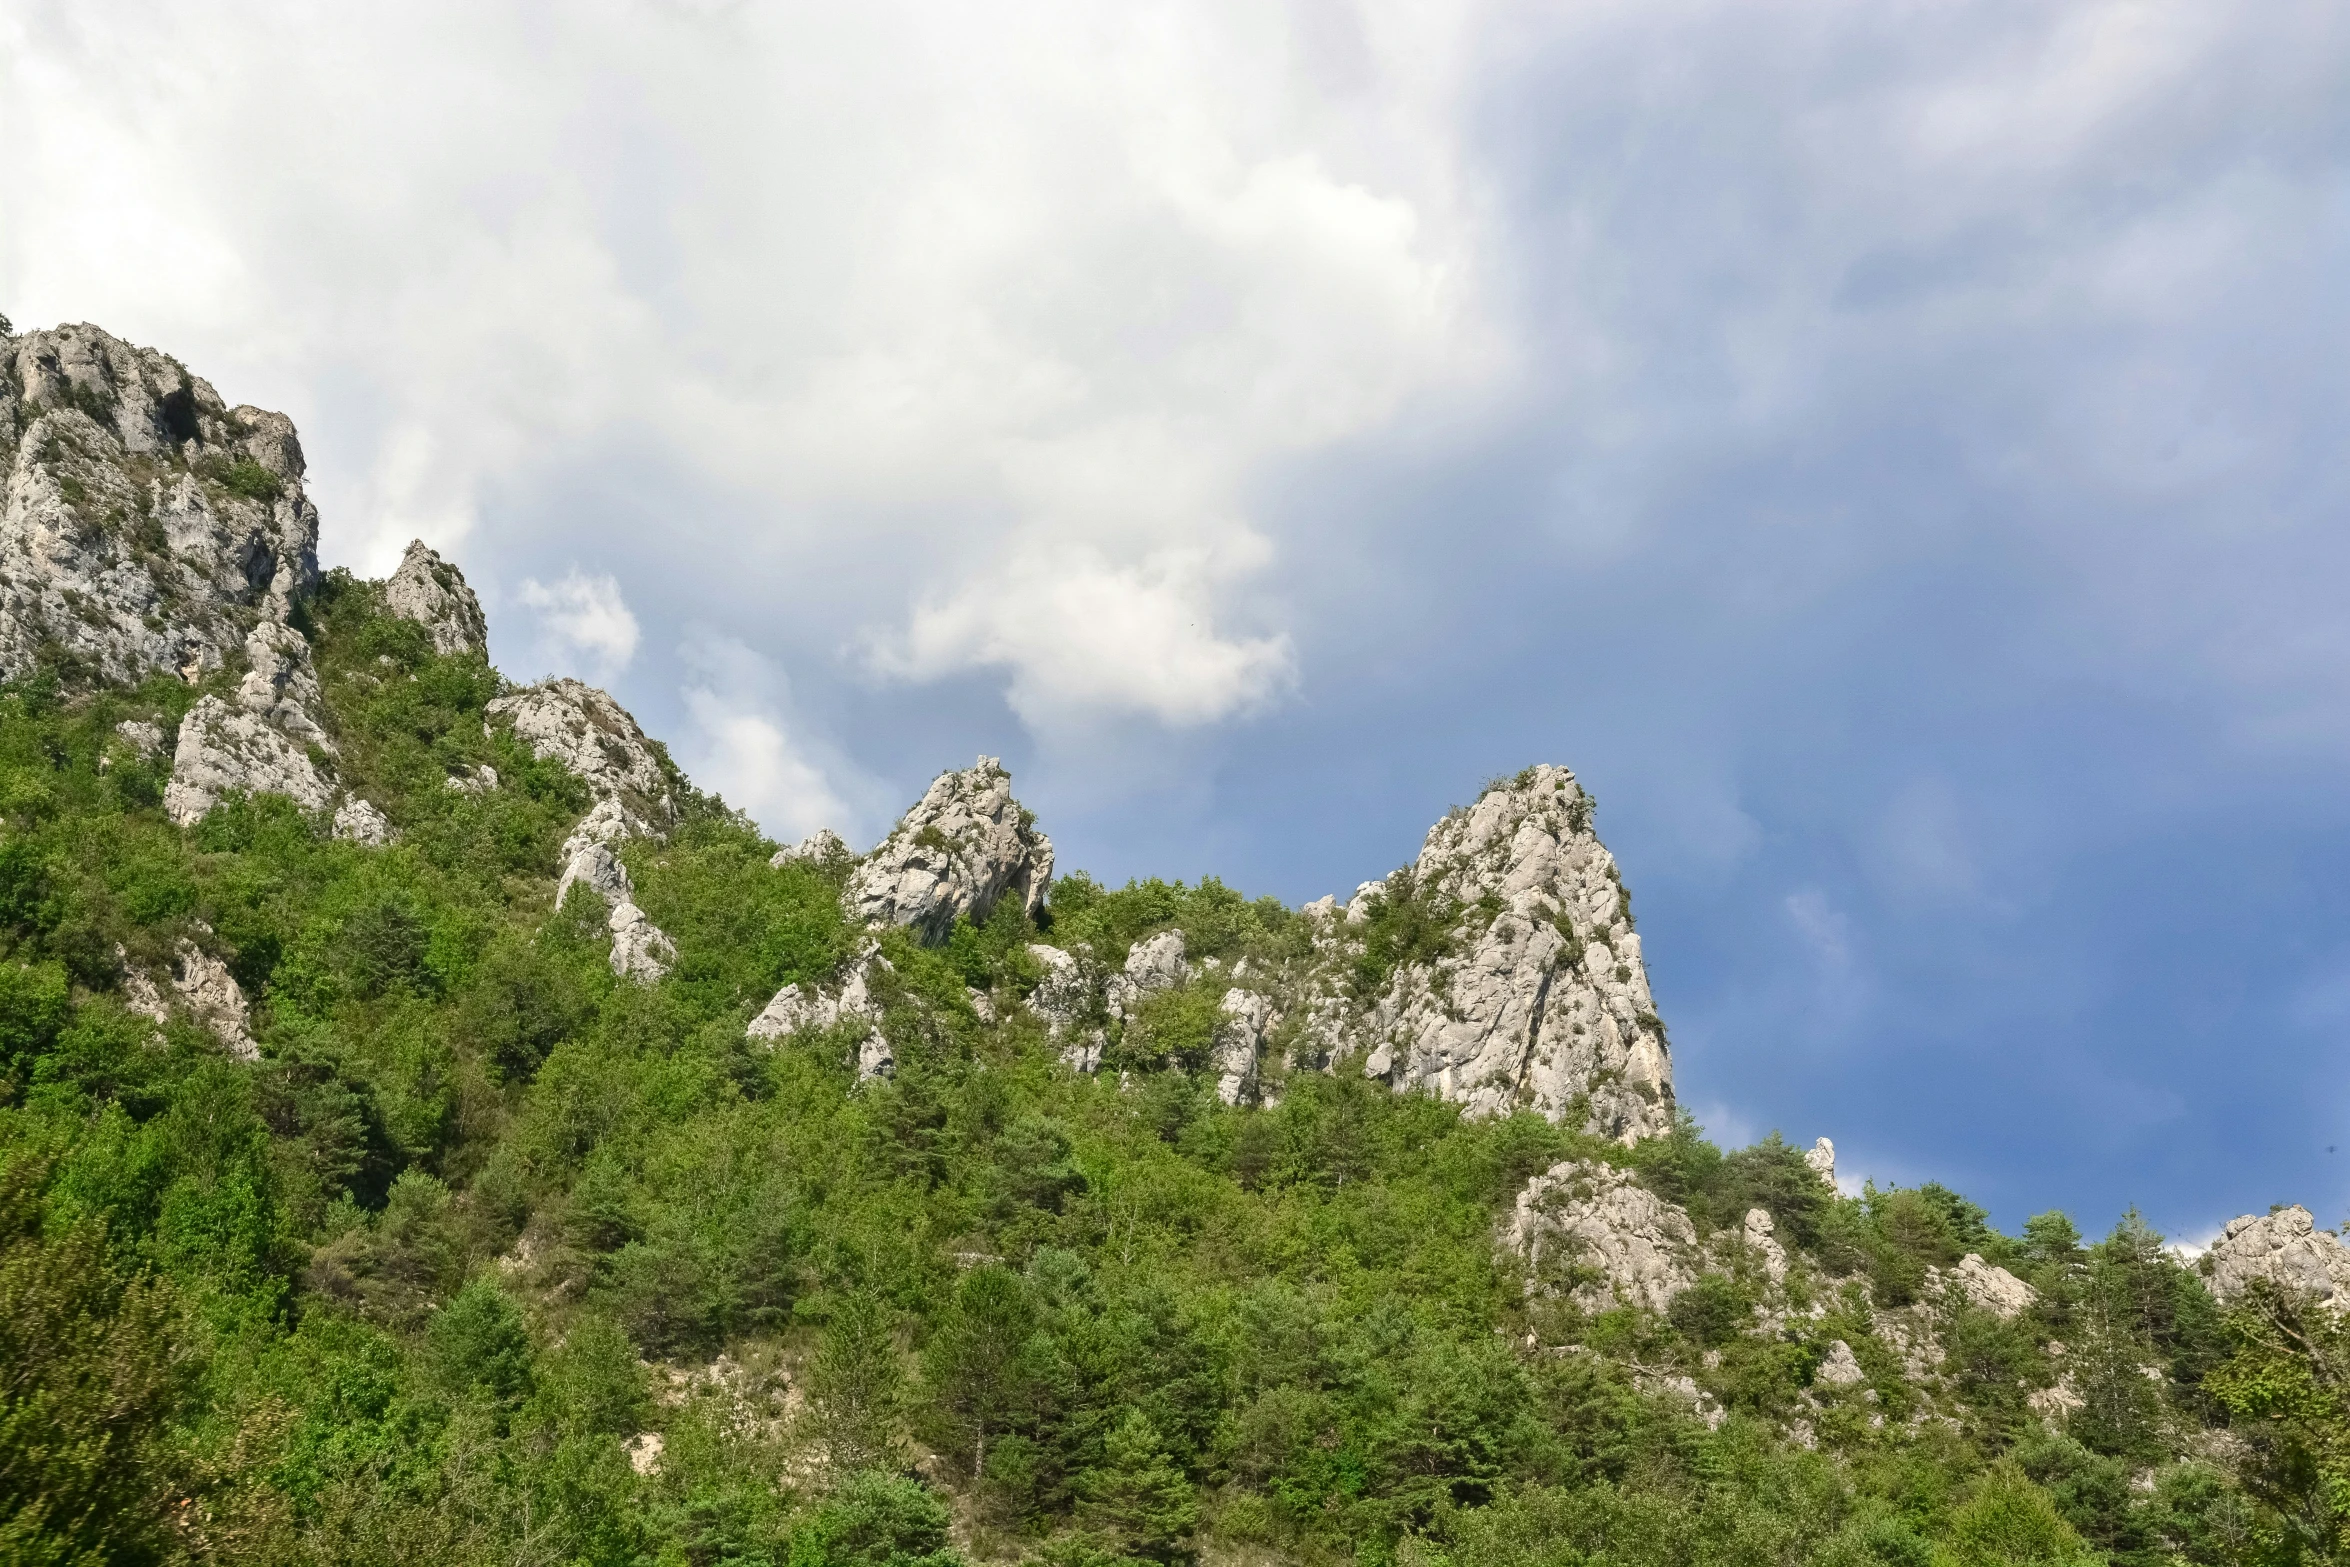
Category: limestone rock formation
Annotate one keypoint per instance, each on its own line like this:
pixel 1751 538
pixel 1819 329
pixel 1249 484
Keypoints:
pixel 1240 1044
pixel 144 739
pixel 595 739
pixel 144 525
pixel 1992 1288
pixel 2286 1248
pixel 357 821
pixel 431 592
pixel 1763 1245
pixel 205 990
pixel 964 845
pixel 592 737
pixel 222 749
pixel 1593 1217
pixel 821 847
pixel 1822 1160
pixel 1153 965
pixel 281 686
pixel 640 951
pixel 1538 997
pixel 1841 1368
pixel 797 1007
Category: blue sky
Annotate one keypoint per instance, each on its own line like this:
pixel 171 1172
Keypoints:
pixel 1892 452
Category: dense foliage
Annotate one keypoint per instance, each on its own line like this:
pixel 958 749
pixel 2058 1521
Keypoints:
pixel 493 1258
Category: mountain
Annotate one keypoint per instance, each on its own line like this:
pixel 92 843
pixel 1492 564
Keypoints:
pixel 432 1129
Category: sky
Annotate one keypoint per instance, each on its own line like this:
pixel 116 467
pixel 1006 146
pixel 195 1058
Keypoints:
pixel 1891 449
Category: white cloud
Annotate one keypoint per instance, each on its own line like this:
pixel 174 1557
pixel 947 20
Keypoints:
pixel 583 617
pixel 1026 299
pixel 745 746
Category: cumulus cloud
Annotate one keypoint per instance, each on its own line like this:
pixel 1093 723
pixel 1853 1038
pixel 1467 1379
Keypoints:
pixel 746 747
pixel 1031 298
pixel 583 618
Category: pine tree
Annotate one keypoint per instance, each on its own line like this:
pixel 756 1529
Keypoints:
pixel 1137 1498
pixel 857 1388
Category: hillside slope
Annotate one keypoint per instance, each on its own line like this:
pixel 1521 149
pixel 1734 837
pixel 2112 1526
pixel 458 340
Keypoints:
pixel 431 1130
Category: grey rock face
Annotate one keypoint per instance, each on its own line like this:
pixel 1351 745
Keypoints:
pixel 964 845
pixel 2286 1248
pixel 1992 1288
pixel 1841 1368
pixel 1240 1044
pixel 357 821
pixel 820 847
pixel 1822 1160
pixel 592 737
pixel 596 740
pixel 281 686
pixel 144 525
pixel 1152 965
pixel 1764 1246
pixel 639 949
pixel 1542 997
pixel 222 749
pixel 431 592
pixel 797 1007
pixel 1643 1248
pixel 205 990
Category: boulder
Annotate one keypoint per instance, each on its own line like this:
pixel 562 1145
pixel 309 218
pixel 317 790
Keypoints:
pixel 431 592
pixel 964 845
pixel 144 739
pixel 145 526
pixel 205 990
pixel 223 749
pixel 1593 1215
pixel 1538 997
pixel 599 869
pixel 2286 1248
pixel 639 949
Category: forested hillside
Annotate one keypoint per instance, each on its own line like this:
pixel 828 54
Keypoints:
pixel 362 1201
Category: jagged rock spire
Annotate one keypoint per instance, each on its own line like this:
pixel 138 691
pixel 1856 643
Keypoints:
pixel 432 592
pixel 964 845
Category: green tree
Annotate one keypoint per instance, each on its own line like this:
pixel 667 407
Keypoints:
pixel 86 1385
pixel 857 1388
pixel 2287 1393
pixel 972 1365
pixel 1136 1497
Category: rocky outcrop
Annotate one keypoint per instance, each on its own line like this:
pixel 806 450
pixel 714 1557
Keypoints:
pixel 594 738
pixel 966 844
pixel 1240 1044
pixel 357 821
pixel 821 847
pixel 1535 996
pixel 281 686
pixel 431 592
pixel 587 734
pixel 1763 1246
pixel 145 526
pixel 223 749
pixel 1623 1244
pixel 1991 1288
pixel 1152 965
pixel 1841 1368
pixel 1822 1162
pixel 204 989
pixel 797 1007
pixel 2286 1248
